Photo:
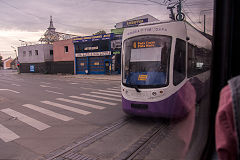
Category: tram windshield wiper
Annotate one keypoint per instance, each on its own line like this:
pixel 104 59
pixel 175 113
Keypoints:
pixel 135 86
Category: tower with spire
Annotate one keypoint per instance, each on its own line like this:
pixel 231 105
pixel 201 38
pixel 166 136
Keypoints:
pixel 51 28
pixel 50 35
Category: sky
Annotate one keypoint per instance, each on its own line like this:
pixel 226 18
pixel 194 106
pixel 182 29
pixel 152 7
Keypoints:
pixel 27 20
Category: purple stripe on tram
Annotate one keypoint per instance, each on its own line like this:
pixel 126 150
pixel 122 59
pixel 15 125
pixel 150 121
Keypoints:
pixel 177 105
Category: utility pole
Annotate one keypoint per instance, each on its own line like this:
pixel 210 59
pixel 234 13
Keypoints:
pixel 204 23
pixel 204 18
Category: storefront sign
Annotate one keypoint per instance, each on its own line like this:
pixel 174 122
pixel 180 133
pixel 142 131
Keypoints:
pixel 117 31
pixel 90 48
pixel 134 22
pixel 105 53
pixel 32 68
pixel 116 52
pixel 93 38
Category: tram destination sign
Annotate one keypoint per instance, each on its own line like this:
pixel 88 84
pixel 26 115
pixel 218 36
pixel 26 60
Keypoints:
pixel 105 53
pixel 144 44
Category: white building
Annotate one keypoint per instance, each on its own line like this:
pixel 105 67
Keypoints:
pixel 7 63
pixel 35 58
pixel 35 53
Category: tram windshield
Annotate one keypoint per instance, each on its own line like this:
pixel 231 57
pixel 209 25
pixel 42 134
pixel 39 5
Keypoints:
pixel 146 61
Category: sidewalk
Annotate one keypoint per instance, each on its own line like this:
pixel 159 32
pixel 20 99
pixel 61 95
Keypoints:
pixel 97 77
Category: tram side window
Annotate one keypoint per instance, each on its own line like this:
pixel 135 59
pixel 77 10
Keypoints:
pixel 192 60
pixel 179 68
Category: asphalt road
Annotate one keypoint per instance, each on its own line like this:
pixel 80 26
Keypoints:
pixel 43 115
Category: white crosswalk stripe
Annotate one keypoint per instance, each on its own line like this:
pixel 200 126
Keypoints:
pixel 94 100
pixel 48 112
pixel 7 135
pixel 80 103
pixel 108 98
pixel 53 92
pixel 114 89
pixel 28 120
pixel 69 108
pixel 117 87
pixel 106 94
pixel 115 92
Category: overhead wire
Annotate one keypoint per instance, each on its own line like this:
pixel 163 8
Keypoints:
pixel 197 26
pixel 22 11
pixel 121 2
pixel 40 18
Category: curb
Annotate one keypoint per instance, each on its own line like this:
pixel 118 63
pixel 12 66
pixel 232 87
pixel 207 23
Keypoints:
pixel 96 78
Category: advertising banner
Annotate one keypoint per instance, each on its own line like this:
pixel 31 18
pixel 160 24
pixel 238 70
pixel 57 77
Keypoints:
pixel 93 38
pixel 105 53
pixel 134 22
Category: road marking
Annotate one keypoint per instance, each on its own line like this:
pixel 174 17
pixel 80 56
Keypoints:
pixel 76 110
pixel 44 86
pixel 7 135
pixel 73 83
pixel 53 92
pixel 87 88
pixel 116 87
pixel 45 82
pixel 106 94
pixel 28 120
pixel 80 103
pixel 16 85
pixel 110 91
pixel 94 100
pixel 48 112
pixel 108 98
pixel 9 90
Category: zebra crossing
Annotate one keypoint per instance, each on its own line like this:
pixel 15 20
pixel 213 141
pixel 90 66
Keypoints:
pixel 101 99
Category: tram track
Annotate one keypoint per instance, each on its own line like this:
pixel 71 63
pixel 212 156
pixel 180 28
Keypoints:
pixel 143 144
pixel 71 151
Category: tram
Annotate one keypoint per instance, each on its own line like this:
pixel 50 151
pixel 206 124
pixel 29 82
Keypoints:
pixel 165 66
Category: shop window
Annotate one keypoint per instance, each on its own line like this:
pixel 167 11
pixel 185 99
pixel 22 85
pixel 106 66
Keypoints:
pixel 30 53
pixel 179 68
pixel 51 52
pixel 96 63
pixel 24 53
pixel 36 52
pixel 66 49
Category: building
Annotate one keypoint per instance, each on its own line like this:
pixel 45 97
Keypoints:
pixel 35 58
pixel 101 54
pixel 93 54
pixel 63 56
pixel 7 63
pixel 39 58
pixel 14 63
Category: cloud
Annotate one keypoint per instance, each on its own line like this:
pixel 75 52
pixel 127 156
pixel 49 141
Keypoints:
pixel 80 17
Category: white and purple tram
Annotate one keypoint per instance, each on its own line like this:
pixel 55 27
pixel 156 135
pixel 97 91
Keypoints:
pixel 165 66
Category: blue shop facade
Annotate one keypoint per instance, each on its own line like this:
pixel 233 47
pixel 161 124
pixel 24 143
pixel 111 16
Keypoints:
pixel 94 55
